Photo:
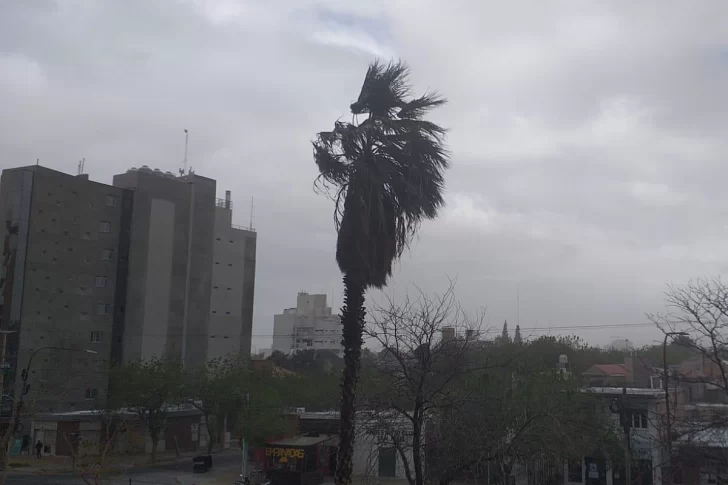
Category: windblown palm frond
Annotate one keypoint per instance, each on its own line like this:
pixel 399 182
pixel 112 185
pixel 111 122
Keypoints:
pixel 387 172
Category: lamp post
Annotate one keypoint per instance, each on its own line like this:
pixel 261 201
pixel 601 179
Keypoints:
pixel 24 376
pixel 668 422
pixel 3 362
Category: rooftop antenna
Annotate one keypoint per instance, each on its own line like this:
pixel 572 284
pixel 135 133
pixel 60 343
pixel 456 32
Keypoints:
pixel 252 206
pixel 184 161
pixel 37 161
pixel 518 304
pixel 80 166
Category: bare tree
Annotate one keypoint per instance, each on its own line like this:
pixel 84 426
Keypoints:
pixel 450 404
pixel 700 310
pixel 426 342
pixel 697 319
pixel 90 459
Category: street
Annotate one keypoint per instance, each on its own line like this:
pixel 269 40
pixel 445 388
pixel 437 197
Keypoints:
pixel 172 473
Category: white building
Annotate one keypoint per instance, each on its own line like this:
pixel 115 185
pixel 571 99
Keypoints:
pixel 233 285
pixel 308 326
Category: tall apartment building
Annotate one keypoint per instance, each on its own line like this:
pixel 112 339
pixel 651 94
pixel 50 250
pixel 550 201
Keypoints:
pixel 233 284
pixel 170 265
pixel 65 254
pixel 126 271
pixel 308 326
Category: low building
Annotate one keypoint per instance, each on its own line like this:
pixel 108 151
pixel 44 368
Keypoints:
pixel 308 326
pixel 62 433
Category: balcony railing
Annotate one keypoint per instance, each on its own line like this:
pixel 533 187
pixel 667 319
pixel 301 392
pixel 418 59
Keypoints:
pixel 225 204
pixel 242 228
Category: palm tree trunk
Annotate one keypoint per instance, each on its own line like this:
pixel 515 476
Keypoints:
pixel 352 319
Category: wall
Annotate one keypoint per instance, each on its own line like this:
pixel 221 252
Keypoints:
pixel 309 326
pixel 233 282
pixel 366 451
pixel 184 246
pixel 283 331
pixel 60 299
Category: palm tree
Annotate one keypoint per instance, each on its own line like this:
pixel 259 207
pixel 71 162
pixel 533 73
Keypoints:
pixel 385 175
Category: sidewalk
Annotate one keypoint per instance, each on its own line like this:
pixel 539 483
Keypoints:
pixel 49 465
pixel 226 478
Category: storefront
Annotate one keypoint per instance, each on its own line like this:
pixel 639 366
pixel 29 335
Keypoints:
pixel 302 460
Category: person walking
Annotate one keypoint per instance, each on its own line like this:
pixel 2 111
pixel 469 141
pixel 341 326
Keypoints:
pixel 38 448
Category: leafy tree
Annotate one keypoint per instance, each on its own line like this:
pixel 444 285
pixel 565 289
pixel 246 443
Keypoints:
pixel 259 412
pixel 308 361
pixel 517 338
pixel 148 388
pixel 214 389
pixel 314 392
pixel 386 173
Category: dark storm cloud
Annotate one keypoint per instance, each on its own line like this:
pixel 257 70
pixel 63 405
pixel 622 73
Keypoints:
pixel 587 138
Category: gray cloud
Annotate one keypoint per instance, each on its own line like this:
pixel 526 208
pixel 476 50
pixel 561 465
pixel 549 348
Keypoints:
pixel 587 138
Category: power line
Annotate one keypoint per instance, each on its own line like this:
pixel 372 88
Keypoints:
pixel 531 329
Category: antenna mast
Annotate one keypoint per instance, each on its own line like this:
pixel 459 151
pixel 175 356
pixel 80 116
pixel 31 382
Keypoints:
pixel 252 206
pixel 518 304
pixel 184 162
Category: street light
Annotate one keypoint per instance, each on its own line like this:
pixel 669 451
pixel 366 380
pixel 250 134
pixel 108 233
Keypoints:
pixel 3 361
pixel 24 376
pixel 666 383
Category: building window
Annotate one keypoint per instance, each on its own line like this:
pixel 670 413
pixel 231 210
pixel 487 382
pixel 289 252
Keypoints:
pixel 107 254
pixel 104 226
pixel 103 308
pixel 101 282
pixel 97 336
pixel 111 200
pixel 575 471
pixel 92 393
pixel 639 419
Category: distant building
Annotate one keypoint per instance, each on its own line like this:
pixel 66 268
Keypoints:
pixel 622 344
pixel 636 372
pixel 308 326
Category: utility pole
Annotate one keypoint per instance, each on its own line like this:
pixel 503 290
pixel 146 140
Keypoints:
pixel 626 418
pixel 667 470
pixel 244 444
pixel 619 406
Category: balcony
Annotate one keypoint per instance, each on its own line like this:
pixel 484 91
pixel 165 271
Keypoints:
pixel 225 204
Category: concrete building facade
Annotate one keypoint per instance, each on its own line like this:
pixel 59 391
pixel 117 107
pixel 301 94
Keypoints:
pixel 65 247
pixel 308 326
pixel 170 268
pixel 233 284
pixel 124 271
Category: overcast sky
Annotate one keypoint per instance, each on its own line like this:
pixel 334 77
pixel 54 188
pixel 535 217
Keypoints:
pixel 588 138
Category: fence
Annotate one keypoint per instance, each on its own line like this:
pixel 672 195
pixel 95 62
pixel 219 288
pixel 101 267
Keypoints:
pixel 135 481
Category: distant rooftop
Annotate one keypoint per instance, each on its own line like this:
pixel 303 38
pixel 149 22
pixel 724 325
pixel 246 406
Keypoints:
pixel 614 370
pixel 630 391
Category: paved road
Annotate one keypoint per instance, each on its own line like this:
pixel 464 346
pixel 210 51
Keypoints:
pixel 162 474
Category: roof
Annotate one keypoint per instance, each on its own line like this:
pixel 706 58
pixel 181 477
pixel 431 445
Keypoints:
pixel 302 440
pixel 94 414
pixel 708 438
pixel 631 391
pixel 616 370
